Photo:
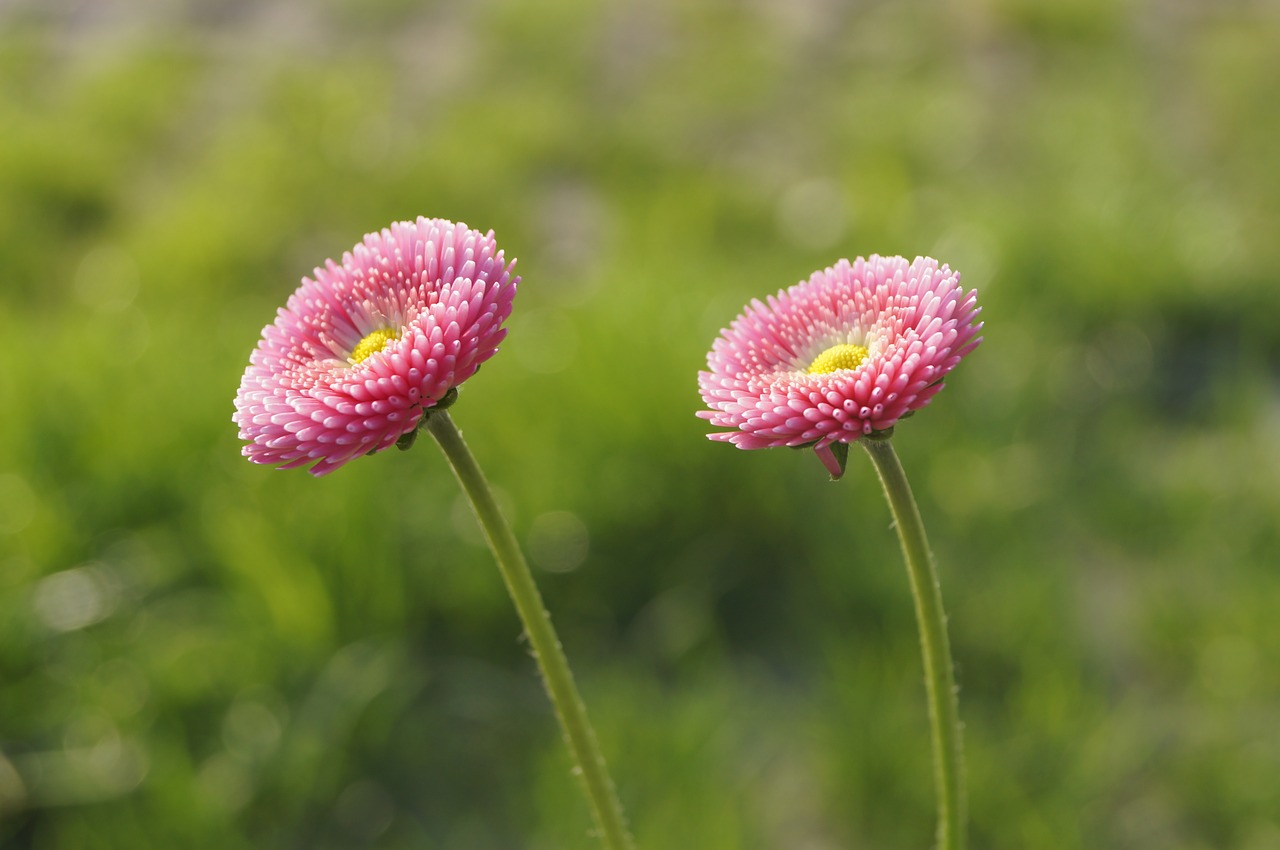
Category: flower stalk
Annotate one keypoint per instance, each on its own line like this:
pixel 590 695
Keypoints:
pixel 939 677
pixel 546 647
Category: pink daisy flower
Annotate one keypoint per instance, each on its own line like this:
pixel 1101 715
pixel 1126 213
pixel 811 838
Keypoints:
pixel 358 354
pixel 843 355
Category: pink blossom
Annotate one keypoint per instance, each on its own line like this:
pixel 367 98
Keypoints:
pixel 843 355
pixel 361 351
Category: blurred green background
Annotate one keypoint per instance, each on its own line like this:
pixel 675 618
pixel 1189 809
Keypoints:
pixel 198 652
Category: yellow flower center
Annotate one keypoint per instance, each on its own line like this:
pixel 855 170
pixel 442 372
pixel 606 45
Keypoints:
pixel 842 356
pixel 372 344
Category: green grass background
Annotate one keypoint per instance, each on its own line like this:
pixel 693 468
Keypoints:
pixel 199 652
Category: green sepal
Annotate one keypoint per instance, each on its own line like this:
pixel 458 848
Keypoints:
pixel 446 401
pixel 887 432
pixel 407 439
pixel 841 453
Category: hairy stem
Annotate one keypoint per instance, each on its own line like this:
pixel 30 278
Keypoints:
pixel 546 647
pixel 939 678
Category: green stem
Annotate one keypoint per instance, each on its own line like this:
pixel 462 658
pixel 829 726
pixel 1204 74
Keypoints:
pixel 939 680
pixel 547 650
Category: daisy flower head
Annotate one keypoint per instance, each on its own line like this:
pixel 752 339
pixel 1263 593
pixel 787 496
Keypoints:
pixel 841 356
pixel 361 351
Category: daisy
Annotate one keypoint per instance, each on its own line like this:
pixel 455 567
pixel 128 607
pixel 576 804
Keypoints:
pixel 843 355
pixel 363 350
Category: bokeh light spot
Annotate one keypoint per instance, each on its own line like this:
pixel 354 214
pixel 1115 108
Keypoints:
pixel 73 599
pixel 558 541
